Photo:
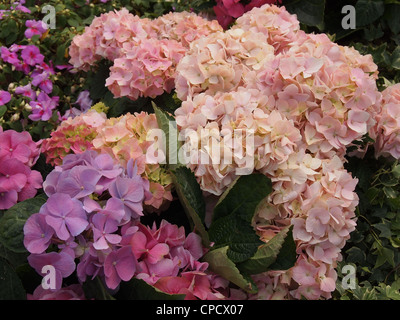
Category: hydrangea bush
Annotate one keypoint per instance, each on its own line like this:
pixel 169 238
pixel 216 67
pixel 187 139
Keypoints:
pixel 264 196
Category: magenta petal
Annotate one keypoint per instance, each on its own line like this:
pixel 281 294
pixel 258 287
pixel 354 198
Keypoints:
pixel 126 265
pixel 76 225
pixel 113 238
pixel 8 199
pixel 101 244
pixel 157 253
pixel 59 226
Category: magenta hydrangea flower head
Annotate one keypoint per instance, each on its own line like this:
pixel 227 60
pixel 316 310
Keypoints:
pixel 18 146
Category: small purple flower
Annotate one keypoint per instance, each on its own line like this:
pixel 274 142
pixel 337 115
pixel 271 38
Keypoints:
pixel 42 81
pixel 31 55
pixel 84 100
pixel 37 234
pixel 5 97
pixel 34 28
pixel 119 265
pixel 62 262
pixel 42 109
pixel 8 56
pixel 103 227
pixel 26 91
pixel 65 215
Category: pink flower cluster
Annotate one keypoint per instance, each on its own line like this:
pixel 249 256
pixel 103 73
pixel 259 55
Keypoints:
pixel 146 70
pixel 18 153
pixel 386 132
pixel 227 10
pixel 144 52
pixel 306 99
pixel 123 138
pixel 92 216
pixel 73 135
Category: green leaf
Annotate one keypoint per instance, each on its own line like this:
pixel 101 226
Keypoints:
pixel 94 289
pixel 384 228
pixel 396 58
pixel 97 81
pixel 10 285
pixel 73 22
pixel 356 255
pixel 137 289
pixel 243 196
pixel 3 110
pixel 238 235
pixel 392 13
pixel 167 102
pixel 279 251
pixel 167 124
pixel 368 11
pixel 220 263
pixel 233 214
pixel 309 12
pixel 13 221
pixel 390 192
pixel 191 198
pixel 396 171
pixel 384 255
